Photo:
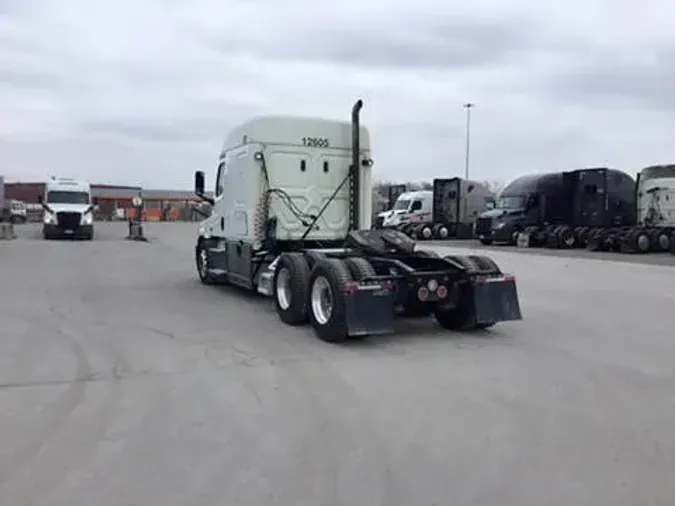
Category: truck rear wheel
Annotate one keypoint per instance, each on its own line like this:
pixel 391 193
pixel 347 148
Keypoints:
pixel 425 233
pixel 291 281
pixel 359 268
pixel 440 231
pixel 454 317
pixel 458 317
pixel 327 312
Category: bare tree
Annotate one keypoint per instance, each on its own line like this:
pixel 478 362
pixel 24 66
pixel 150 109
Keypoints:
pixel 494 185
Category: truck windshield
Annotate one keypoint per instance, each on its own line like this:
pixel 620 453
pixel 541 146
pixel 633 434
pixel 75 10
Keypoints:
pixel 511 202
pixel 657 171
pixel 401 205
pixel 61 197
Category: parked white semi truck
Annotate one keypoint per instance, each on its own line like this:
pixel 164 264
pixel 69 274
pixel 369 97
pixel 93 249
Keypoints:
pixel 68 209
pixel 291 220
pixel 410 208
pixel 449 211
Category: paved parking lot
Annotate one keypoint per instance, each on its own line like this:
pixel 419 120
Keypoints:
pixel 649 259
pixel 123 381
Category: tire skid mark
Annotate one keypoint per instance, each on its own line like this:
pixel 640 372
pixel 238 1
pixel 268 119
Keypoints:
pixel 71 455
pixel 55 415
pixel 322 466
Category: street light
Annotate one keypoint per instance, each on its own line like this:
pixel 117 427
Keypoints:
pixel 468 106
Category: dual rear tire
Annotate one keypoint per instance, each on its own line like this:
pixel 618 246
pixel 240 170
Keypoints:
pixel 312 290
pixel 316 293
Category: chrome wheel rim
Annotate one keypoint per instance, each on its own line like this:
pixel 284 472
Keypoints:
pixel 664 241
pixel 203 263
pixel 322 300
pixel 283 288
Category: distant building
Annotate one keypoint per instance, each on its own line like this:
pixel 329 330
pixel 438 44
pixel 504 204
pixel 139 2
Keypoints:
pixel 158 204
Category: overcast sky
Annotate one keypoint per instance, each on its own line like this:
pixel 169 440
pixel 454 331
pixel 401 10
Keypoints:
pixel 144 91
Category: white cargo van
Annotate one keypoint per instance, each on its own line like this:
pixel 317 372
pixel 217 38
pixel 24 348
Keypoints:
pixel 68 209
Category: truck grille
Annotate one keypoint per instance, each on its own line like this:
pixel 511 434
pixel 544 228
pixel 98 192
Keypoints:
pixel 483 226
pixel 68 221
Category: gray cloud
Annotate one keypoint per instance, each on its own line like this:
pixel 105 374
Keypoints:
pixel 444 44
pixel 30 79
pixel 642 80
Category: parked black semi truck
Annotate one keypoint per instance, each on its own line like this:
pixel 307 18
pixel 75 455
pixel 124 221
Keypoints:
pixel 592 207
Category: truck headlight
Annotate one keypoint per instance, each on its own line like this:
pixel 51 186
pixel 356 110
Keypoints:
pixel 49 218
pixel 87 218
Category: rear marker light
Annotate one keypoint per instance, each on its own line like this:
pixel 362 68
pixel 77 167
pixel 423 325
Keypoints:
pixel 423 293
pixel 442 292
pixel 432 285
pixel 350 288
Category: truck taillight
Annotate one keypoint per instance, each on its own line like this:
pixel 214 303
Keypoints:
pixel 350 288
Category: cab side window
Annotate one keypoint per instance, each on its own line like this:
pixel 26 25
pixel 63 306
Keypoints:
pixel 416 206
pixel 220 179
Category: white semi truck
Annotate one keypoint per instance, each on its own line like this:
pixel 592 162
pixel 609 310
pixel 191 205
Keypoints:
pixel 291 220
pixel 68 209
pixel 655 202
pixel 410 208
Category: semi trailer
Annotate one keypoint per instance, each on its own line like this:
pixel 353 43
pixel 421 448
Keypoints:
pixel 291 221
pixel 456 203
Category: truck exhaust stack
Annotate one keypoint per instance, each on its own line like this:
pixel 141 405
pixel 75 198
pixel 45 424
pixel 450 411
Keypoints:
pixel 355 176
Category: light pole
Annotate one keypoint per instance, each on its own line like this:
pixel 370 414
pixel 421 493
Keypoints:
pixel 468 106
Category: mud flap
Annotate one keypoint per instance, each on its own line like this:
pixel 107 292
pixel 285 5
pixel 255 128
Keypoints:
pixel 496 300
pixel 369 311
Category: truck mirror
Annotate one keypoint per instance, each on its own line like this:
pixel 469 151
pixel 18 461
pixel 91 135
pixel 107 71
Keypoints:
pixel 40 199
pixel 94 201
pixel 199 182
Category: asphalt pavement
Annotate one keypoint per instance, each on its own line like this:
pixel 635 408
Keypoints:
pixel 123 381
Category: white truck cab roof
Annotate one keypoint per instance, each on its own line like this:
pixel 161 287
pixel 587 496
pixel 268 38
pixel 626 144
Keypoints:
pixel 295 131
pixel 421 194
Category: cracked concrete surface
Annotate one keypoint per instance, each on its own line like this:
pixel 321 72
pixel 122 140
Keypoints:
pixel 123 381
